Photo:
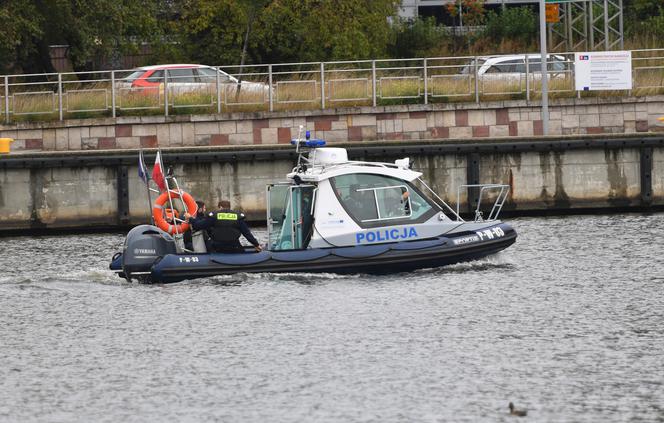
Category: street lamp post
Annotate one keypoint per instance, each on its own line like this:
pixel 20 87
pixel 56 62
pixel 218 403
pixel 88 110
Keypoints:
pixel 543 68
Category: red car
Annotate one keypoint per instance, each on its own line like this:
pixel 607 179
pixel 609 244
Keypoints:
pixel 184 78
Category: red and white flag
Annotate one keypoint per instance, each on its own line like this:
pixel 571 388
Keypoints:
pixel 158 173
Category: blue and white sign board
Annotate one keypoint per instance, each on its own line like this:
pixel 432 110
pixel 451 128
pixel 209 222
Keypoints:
pixel 603 70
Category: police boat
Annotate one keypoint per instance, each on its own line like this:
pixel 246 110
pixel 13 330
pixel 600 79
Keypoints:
pixel 331 215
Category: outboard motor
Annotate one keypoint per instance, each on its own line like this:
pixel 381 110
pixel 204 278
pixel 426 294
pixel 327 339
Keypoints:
pixel 143 247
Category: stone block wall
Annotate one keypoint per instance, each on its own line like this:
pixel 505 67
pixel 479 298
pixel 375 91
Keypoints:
pixel 405 122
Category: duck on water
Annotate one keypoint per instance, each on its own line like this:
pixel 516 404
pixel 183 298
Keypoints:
pixel 330 215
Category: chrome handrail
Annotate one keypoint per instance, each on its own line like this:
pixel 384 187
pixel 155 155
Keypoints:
pixel 497 205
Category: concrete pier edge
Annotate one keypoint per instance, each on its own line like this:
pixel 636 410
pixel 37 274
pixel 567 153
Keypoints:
pixel 88 190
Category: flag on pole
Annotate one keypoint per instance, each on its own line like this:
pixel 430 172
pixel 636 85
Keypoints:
pixel 142 169
pixel 158 173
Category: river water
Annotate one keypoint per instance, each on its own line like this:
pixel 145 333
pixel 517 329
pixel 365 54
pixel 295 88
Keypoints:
pixel 568 323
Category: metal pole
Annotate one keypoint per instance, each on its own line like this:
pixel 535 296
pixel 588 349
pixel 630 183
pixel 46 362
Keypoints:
pixel 269 84
pixel 218 91
pixel 168 187
pixel 544 68
pixel 147 185
pixel 527 78
pixel 426 83
pixel 477 82
pixel 165 93
pixel 606 25
pixel 322 85
pixel 6 98
pixel 591 22
pixel 585 25
pixel 570 24
pixel 113 93
pixel 620 25
pixel 60 96
pixel 373 82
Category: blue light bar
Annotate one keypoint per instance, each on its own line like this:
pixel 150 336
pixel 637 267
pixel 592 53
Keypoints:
pixel 309 143
pixel 314 143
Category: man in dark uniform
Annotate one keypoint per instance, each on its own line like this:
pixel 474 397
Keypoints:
pixel 225 227
pixel 192 220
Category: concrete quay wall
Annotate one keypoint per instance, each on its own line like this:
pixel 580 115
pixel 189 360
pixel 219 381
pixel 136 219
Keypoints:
pixel 484 121
pixel 95 189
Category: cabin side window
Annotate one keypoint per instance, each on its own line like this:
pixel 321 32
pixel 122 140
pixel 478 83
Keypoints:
pixel 379 200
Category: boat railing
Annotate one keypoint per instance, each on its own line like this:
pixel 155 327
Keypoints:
pixel 502 189
pixel 442 204
pixel 357 163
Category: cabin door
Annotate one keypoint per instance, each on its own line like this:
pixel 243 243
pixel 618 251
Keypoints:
pixel 289 216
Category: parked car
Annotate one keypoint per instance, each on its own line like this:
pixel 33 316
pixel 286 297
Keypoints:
pixel 185 78
pixel 513 67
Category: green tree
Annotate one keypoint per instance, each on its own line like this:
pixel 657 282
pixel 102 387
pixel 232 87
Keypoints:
pixel 418 38
pixel 21 25
pixel 518 25
pixel 644 22
pixel 211 31
pixel 94 30
pixel 317 30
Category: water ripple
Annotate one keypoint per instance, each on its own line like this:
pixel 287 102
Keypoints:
pixel 567 323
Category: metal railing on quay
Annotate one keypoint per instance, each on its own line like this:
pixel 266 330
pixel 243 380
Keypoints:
pixel 300 86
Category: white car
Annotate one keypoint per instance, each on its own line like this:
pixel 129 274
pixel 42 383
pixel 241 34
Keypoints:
pixel 512 68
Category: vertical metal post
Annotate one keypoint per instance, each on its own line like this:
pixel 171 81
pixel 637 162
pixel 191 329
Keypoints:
pixel 477 81
pixel 6 99
pixel 586 5
pixel 322 85
pixel 165 92
pixel 426 83
pixel 373 82
pixel 578 92
pixel 60 96
pixel 591 22
pixel 620 25
pixel 218 88
pixel 269 84
pixel 606 25
pixel 568 24
pixel 113 93
pixel 527 78
pixel 544 69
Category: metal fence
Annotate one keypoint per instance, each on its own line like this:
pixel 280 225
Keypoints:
pixel 290 86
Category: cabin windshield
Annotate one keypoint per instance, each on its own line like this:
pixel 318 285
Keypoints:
pixel 290 221
pixel 378 200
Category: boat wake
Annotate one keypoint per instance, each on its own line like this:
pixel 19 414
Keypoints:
pixel 277 278
pixel 482 265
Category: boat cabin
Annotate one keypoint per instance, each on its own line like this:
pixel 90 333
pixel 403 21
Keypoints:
pixel 351 203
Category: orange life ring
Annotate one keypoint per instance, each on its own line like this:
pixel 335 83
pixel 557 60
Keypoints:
pixel 158 211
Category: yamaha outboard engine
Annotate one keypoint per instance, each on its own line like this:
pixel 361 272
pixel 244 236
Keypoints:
pixel 143 247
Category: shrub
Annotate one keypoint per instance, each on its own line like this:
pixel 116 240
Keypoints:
pixel 516 24
pixel 417 37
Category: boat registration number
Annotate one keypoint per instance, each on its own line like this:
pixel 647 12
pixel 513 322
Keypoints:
pixel 188 259
pixel 480 236
pixel 491 233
